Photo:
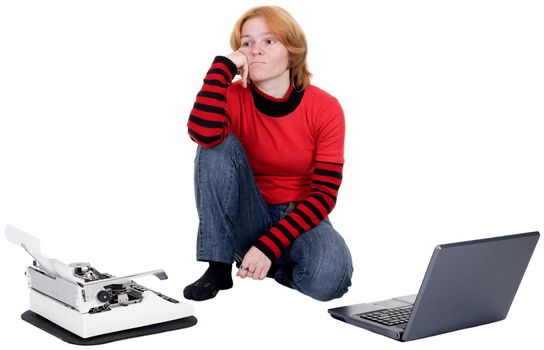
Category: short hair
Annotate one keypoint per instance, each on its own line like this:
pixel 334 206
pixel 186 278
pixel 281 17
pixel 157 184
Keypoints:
pixel 286 29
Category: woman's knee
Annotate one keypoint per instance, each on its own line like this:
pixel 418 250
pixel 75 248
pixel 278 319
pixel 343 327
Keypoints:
pixel 325 272
pixel 215 161
pixel 331 283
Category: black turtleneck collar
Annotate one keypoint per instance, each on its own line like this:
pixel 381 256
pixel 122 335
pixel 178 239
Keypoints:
pixel 276 107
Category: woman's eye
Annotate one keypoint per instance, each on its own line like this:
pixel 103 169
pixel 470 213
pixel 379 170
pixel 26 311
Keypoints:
pixel 246 44
pixel 269 41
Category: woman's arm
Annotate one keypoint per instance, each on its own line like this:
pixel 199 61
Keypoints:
pixel 209 122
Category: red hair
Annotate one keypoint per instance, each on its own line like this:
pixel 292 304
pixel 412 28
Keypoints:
pixel 284 27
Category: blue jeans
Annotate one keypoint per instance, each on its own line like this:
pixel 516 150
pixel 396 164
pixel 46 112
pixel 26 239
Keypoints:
pixel 233 215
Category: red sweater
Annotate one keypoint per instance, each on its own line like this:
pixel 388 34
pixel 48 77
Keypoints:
pixel 294 145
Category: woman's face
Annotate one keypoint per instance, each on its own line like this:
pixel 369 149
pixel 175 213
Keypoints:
pixel 268 59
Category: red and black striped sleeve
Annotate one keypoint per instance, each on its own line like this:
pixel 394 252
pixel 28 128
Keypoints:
pixel 209 123
pixel 326 181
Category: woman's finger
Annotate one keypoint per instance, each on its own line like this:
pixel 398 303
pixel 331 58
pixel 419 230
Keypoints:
pixel 245 72
pixel 264 272
pixel 257 273
pixel 243 271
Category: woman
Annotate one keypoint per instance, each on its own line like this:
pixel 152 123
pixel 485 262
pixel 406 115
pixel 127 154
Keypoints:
pixel 269 165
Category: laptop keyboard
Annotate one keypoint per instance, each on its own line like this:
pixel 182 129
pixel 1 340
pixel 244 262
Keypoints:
pixel 389 317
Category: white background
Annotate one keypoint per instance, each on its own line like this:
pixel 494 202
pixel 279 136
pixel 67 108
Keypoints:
pixel 444 102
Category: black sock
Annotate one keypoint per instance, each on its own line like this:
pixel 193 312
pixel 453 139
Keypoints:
pixel 217 277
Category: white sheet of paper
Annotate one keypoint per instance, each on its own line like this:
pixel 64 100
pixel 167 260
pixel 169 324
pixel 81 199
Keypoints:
pixel 53 267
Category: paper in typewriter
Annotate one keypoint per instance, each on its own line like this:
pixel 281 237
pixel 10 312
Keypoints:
pixel 31 244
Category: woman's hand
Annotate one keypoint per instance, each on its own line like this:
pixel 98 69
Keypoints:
pixel 240 60
pixel 255 265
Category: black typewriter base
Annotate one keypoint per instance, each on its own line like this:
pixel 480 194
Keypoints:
pixel 69 337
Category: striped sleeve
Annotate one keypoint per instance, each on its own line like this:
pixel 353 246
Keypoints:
pixel 209 123
pixel 307 214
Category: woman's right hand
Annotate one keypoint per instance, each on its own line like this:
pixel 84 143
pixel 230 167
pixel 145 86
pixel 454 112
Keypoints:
pixel 240 60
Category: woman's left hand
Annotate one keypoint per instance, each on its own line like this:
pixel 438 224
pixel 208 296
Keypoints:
pixel 255 265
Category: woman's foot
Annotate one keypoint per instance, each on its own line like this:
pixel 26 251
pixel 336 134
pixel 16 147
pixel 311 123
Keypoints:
pixel 217 277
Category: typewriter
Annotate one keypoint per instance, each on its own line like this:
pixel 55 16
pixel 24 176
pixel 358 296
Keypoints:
pixel 89 303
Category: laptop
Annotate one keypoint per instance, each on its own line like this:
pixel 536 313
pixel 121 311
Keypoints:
pixel 467 284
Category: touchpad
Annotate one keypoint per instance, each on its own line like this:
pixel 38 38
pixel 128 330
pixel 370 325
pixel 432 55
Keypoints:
pixel 396 302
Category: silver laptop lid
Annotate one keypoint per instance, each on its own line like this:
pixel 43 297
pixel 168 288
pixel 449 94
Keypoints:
pixel 470 283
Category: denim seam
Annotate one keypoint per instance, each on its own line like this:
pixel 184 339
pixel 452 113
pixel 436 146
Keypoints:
pixel 342 282
pixel 305 249
pixel 228 236
pixel 229 186
pixel 200 217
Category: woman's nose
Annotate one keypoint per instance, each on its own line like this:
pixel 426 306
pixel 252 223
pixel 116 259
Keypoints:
pixel 257 49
